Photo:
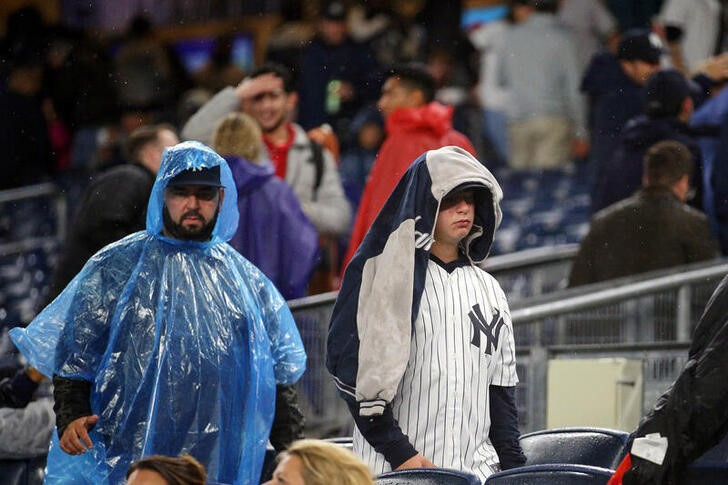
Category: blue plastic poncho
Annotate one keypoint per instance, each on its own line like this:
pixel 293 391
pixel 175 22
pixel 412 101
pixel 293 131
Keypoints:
pixel 182 341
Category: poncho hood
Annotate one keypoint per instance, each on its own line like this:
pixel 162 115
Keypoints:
pixel 196 156
pixel 249 176
pixel 434 118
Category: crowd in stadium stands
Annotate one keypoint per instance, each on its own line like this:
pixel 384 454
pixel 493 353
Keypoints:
pixel 630 94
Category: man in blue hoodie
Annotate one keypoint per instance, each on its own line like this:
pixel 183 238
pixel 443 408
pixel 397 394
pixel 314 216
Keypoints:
pixel 168 341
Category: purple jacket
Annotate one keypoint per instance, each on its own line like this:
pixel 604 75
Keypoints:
pixel 273 233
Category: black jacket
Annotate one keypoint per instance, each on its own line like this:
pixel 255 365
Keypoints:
pixel 622 176
pixel 693 413
pixel 113 206
pixel 615 99
pixel 649 231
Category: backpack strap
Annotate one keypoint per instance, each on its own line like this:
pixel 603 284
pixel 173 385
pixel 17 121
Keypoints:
pixel 317 158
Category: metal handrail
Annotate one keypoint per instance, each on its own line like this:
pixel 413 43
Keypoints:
pixel 530 257
pixel 560 303
pixel 505 262
pixel 313 301
pixel 27 245
pixel 28 192
pixel 60 205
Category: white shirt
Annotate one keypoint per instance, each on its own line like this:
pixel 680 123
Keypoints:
pixel 700 23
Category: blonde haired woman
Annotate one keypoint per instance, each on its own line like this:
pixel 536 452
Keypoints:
pixel 316 462
pixel 273 232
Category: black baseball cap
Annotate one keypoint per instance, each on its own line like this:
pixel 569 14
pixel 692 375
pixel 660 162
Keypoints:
pixel 665 92
pixel 205 176
pixel 466 186
pixel 640 45
pixel 334 11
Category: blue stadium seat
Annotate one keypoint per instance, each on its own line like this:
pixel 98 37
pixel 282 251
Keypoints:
pixel 542 205
pixel 598 447
pixel 427 476
pixel 551 474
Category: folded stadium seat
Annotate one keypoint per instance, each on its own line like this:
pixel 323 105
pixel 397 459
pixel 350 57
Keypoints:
pixel 597 447
pixel 551 474
pixel 427 476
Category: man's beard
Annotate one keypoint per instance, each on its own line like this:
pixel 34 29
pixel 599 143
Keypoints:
pixel 178 231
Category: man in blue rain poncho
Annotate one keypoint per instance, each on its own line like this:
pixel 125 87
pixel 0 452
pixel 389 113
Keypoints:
pixel 168 341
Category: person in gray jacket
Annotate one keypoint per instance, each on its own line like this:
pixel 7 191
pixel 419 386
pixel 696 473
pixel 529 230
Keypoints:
pixel 269 97
pixel 538 64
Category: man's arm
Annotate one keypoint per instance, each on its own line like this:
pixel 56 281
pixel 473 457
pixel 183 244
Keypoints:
pixel 385 436
pixel 25 433
pixel 73 414
pixel 202 124
pixel 288 421
pixel 504 433
pixel 701 246
pixel 17 391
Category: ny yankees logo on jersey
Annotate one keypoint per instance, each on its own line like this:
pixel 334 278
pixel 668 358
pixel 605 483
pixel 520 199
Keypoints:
pixel 491 329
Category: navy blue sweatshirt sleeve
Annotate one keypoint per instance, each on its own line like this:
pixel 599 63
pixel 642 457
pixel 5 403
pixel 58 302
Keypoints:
pixel 384 434
pixel 17 391
pixel 700 88
pixel 504 432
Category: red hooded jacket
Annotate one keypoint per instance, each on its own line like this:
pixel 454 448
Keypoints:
pixel 410 133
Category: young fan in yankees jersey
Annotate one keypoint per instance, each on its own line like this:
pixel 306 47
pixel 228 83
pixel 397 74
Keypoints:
pixel 421 342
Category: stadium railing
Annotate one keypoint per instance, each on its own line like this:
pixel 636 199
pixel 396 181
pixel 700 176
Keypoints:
pixel 648 317
pixel 32 217
pixel 524 274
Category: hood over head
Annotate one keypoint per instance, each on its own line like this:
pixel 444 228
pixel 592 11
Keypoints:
pixel 249 175
pixel 453 168
pixel 193 155
pixel 433 117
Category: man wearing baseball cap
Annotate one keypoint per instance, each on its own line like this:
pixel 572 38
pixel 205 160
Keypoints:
pixel 614 84
pixel 169 341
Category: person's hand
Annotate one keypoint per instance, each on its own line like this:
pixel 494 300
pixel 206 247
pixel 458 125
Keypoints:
pixel 34 375
pixel 346 91
pixel 76 435
pixel 716 68
pixel 417 461
pixel 243 89
pixel 580 148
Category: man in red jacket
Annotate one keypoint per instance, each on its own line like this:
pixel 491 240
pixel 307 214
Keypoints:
pixel 414 124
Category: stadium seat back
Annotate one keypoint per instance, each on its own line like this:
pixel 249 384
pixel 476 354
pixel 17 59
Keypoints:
pixel 551 474
pixel 427 476
pixel 597 447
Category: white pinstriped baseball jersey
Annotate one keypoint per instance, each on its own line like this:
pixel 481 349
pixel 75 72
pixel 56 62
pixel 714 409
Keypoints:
pixel 462 343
